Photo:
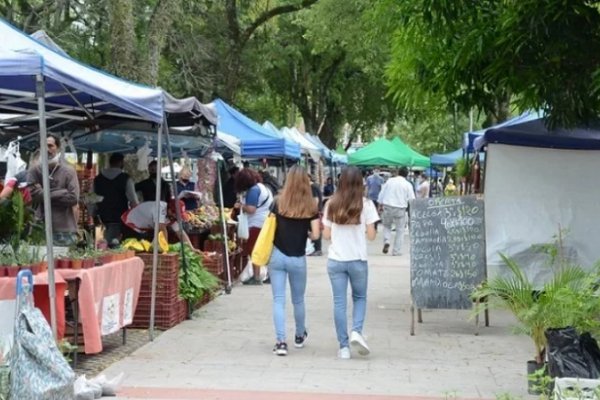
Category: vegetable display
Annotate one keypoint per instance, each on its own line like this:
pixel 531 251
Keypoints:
pixel 194 281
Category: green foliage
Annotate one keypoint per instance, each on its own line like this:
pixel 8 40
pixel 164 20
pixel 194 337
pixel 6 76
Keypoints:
pixel 462 167
pixel 487 54
pixel 541 382
pixel 17 222
pixel 194 280
pixel 67 348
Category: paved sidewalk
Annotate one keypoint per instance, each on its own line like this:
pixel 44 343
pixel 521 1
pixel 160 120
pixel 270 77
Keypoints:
pixel 225 351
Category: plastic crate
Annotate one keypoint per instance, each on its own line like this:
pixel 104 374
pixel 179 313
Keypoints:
pixel 213 263
pixel 165 315
pixel 168 264
pixel 576 389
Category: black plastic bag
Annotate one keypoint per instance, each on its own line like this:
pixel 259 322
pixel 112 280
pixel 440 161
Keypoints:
pixel 571 355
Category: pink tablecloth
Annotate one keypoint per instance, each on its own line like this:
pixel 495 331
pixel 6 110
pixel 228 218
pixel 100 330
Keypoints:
pixel 108 296
pixel 40 297
pixel 8 286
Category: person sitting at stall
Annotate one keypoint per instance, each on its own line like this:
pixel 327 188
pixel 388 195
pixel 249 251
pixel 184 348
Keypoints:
pixel 184 184
pixel 140 219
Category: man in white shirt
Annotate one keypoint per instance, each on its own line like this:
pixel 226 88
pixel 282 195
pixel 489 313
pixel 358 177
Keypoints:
pixel 393 202
pixel 423 188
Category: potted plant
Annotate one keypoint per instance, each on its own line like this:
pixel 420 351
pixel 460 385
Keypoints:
pixel 567 299
pixel 62 262
pixel 76 258
pixel 88 259
pixel 6 261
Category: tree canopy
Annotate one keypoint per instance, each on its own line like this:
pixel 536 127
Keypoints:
pixel 352 67
pixel 488 54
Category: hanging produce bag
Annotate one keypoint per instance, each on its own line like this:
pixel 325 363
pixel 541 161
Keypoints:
pixel 243 230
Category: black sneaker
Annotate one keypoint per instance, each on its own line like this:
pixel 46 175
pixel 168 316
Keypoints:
pixel 280 349
pixel 386 248
pixel 299 341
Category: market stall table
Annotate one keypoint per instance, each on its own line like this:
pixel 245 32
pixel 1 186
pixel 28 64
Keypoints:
pixel 41 300
pixel 107 296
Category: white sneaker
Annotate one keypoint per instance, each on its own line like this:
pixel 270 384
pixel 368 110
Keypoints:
pixel 344 353
pixel 359 343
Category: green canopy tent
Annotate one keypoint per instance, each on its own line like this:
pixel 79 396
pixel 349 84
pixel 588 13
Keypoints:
pixel 388 152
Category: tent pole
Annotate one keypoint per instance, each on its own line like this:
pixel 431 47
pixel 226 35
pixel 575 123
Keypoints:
pixel 224 226
pixel 284 167
pixel 177 209
pixel 41 97
pixel 156 231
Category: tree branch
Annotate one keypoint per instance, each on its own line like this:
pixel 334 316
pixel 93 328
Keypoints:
pixel 267 15
pixel 232 20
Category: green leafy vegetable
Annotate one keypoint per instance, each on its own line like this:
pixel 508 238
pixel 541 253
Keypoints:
pixel 194 280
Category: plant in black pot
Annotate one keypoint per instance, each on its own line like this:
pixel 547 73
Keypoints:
pixel 516 293
pixel 572 307
pixel 568 298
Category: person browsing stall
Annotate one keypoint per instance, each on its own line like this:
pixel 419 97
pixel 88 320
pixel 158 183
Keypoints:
pixel 141 219
pixel 256 203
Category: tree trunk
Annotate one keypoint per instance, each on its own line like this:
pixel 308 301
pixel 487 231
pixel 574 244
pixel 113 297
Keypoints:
pixel 159 27
pixel 122 39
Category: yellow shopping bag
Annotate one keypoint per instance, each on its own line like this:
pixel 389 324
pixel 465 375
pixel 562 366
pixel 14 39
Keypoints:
pixel 261 254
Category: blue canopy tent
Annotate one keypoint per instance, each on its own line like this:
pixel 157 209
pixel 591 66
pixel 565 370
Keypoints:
pixel 447 159
pixel 257 141
pixel 41 84
pixel 450 159
pixel 534 133
pixel 469 137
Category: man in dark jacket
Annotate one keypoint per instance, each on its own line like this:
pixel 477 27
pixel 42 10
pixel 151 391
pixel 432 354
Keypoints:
pixel 118 192
pixel 148 186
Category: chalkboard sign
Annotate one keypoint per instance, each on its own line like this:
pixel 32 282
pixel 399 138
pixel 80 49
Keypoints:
pixel 447 244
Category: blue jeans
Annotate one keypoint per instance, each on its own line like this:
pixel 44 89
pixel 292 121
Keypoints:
pixel 280 267
pixel 357 273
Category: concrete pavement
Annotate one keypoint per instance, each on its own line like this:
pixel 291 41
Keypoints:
pixel 225 351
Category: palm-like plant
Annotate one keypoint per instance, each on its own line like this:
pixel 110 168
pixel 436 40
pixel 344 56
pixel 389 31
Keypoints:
pixel 568 299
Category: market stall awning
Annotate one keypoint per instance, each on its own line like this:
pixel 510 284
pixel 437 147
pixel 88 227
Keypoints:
pixel 256 141
pixel 76 91
pixel 470 137
pixel 535 133
pixel 385 152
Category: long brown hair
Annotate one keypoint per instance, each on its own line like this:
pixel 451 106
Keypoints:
pixel 346 204
pixel 296 200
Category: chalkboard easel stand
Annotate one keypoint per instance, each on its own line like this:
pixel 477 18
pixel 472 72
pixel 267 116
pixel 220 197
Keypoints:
pixel 420 317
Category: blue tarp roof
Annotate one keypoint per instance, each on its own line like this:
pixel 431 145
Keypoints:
pixel 447 159
pixel 469 137
pixel 76 91
pixel 257 141
pixel 535 134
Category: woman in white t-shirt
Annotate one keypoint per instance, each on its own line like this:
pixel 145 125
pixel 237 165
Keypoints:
pixel 349 220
